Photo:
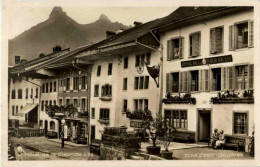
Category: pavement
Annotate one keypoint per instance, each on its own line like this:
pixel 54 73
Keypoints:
pixel 68 143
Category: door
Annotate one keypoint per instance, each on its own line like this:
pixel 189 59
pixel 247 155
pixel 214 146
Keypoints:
pixel 204 125
pixel 93 132
pixel 45 126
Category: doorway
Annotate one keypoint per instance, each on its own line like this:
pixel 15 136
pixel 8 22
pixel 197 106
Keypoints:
pixel 204 125
pixel 45 126
pixel 93 132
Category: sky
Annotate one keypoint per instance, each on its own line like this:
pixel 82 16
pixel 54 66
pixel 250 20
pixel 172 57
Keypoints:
pixel 22 16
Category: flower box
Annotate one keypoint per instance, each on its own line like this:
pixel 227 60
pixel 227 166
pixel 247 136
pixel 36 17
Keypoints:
pixel 232 100
pixel 106 98
pixel 180 101
pixel 104 121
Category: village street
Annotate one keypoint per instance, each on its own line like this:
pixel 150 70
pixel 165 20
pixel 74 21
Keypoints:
pixel 41 148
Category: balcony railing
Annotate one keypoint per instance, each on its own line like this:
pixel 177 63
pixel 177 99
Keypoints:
pixel 186 98
pixel 106 98
pixel 104 121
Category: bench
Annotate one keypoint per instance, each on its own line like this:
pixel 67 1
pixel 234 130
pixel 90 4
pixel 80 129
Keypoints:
pixel 234 141
pixel 183 135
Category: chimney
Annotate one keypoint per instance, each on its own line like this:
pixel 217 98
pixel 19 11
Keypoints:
pixel 17 59
pixel 137 23
pixel 41 55
pixel 110 34
pixel 56 48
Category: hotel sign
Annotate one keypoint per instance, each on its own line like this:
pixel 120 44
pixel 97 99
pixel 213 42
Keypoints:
pixel 211 60
pixel 137 124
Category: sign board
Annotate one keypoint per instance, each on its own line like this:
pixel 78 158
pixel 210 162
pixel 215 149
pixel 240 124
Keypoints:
pixel 137 124
pixel 211 60
pixel 65 131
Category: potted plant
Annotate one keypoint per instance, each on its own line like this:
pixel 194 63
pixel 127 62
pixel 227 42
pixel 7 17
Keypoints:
pixel 156 128
pixel 167 139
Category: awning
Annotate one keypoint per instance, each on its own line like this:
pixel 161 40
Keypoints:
pixel 27 108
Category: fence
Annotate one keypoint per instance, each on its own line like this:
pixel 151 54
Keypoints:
pixel 30 132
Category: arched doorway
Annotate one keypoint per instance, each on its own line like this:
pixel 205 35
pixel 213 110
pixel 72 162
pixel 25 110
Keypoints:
pixel 45 126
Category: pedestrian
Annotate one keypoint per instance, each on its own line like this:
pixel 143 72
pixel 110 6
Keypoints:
pixel 221 139
pixel 20 152
pixel 215 137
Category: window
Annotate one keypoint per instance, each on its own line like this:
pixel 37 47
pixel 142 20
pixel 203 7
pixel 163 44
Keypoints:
pixel 17 109
pixel 125 84
pixel 41 123
pixel 106 90
pixel 42 106
pixel 47 88
pixel 194 80
pixel 21 107
pixel 125 105
pixel 60 102
pixel 43 88
pixel 216 40
pixel 83 105
pixel 240 123
pixel 13 80
pixel 195 44
pixel 110 67
pixel 52 125
pixel 36 94
pixel 50 86
pixel 175 48
pixel 75 83
pixel 17 59
pixel 61 86
pixel 104 114
pixel 20 93
pixel 93 113
pixel 26 93
pixel 83 82
pixel 177 118
pixel 75 103
pixel 242 35
pixel 141 104
pixel 141 82
pixel 46 103
pixel 173 82
pixel 31 93
pixel 125 62
pixel 96 91
pixel 67 102
pixel 13 94
pixel 242 77
pixel 55 86
pixel 216 79
pixel 140 59
pixel 98 70
pixel 67 83
pixel 50 103
pixel 54 102
pixel 13 110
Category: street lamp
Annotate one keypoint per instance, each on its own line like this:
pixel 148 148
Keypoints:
pixel 62 132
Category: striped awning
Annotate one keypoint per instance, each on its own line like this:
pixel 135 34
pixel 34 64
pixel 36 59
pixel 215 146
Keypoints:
pixel 26 109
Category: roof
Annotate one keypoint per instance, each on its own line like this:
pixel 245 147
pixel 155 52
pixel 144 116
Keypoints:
pixel 184 13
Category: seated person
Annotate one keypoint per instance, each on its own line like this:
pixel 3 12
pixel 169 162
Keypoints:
pixel 220 141
pixel 215 137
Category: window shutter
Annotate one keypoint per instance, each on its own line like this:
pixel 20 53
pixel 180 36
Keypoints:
pixel 181 82
pixel 213 41
pixel 251 76
pixel 71 83
pixel 223 78
pixel 181 46
pixel 230 78
pixel 218 38
pixel 206 80
pixel 188 80
pixel 231 37
pixel 169 50
pixel 64 84
pixel 250 33
pixel 167 82
pixel 195 45
pixel 80 82
pixel 201 80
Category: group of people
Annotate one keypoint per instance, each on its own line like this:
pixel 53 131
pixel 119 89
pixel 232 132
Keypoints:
pixel 218 138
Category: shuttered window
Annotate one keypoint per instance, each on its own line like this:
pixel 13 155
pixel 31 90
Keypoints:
pixel 185 79
pixel 175 48
pixel 224 78
pixel 251 34
pixel 230 78
pixel 216 40
pixel 195 44
pixel 251 77
pixel 167 82
pixel 181 82
pixel 231 37
pixel 206 81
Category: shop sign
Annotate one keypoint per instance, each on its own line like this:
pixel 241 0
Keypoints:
pixel 137 124
pixel 211 60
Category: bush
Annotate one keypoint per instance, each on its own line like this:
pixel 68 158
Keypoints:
pixel 52 135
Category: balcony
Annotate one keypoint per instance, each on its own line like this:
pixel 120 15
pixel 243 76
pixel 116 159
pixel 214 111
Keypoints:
pixel 104 121
pixel 231 98
pixel 185 99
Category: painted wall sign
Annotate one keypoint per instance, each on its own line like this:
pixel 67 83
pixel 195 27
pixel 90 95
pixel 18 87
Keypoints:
pixel 137 124
pixel 211 60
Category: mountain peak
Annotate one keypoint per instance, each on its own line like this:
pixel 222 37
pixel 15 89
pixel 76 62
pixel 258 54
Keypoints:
pixel 103 17
pixel 57 11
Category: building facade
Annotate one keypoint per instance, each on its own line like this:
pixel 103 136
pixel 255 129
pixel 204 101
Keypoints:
pixel 207 59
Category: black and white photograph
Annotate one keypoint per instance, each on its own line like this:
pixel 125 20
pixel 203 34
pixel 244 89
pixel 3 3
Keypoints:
pixel 125 83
